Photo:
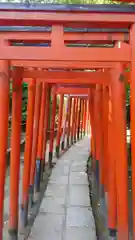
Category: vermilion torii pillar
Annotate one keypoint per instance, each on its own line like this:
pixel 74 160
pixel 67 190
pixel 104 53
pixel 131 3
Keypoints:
pixel 4 107
pixel 119 111
pixel 35 139
pixel 79 118
pixel 75 126
pixel 15 152
pixel 111 195
pixel 97 129
pixel 59 124
pixel 82 120
pixel 69 121
pixel 26 191
pixel 73 120
pixel 91 118
pixel 51 142
pixel 132 109
pixel 65 125
pixel 39 159
pixel 105 111
pixel 84 116
pixel 46 125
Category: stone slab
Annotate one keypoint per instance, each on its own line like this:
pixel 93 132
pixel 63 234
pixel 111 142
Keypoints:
pixel 78 168
pixel 59 180
pixel 52 205
pixel 80 217
pixel 61 170
pixel 79 195
pixel 78 178
pixel 56 190
pixel 82 233
pixel 47 227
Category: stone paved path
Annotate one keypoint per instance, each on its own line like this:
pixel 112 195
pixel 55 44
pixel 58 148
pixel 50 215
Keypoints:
pixel 65 212
pixel 7 190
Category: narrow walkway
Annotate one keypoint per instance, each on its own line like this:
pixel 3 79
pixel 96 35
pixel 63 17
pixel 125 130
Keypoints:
pixel 65 212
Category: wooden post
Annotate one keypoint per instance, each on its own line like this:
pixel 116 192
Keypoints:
pixel 28 151
pixel 105 110
pixel 88 113
pixel 54 101
pixel 82 113
pixel 85 116
pixel 79 119
pixel 59 125
pixel 119 111
pixel 15 152
pixel 4 107
pixel 69 120
pixel 97 130
pixel 35 139
pixel 101 139
pixel 73 120
pixel 89 126
pixel 39 160
pixel 75 125
pixel 132 109
pixel 112 198
pixel 46 124
pixel 65 126
pixel 91 123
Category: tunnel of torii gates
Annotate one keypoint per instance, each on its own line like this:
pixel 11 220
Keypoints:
pixel 84 55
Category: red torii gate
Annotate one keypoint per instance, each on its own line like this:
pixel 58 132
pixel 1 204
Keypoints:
pixel 67 90
pixel 107 94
